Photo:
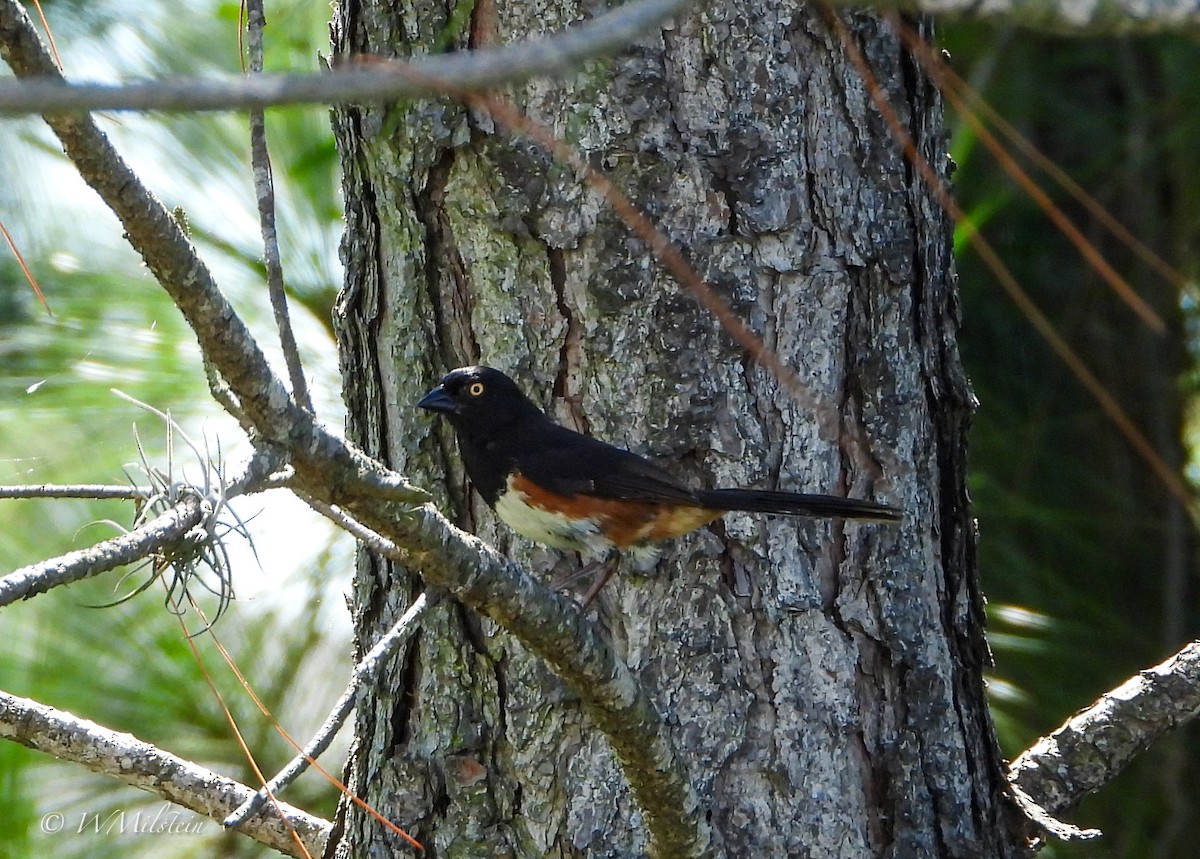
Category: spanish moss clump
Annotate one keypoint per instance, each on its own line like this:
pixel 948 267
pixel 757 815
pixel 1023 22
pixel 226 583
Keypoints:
pixel 200 558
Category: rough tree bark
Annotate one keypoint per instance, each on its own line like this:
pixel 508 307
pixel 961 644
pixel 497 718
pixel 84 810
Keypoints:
pixel 822 679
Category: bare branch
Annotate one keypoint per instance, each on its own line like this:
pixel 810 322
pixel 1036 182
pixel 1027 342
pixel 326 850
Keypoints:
pixel 1096 744
pixel 383 80
pixel 366 671
pixel 149 768
pixel 372 540
pixel 168 528
pixel 96 491
pixel 264 192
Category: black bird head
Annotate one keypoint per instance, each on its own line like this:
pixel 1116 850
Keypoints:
pixel 479 398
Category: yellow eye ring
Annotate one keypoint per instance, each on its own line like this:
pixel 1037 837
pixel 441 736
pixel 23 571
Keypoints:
pixel 476 389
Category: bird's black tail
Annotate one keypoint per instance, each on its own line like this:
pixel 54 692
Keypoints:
pixel 795 504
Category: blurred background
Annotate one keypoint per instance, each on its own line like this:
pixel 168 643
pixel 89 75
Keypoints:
pixel 1088 562
pixel 129 667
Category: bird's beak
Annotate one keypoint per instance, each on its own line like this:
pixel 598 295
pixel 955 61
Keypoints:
pixel 438 400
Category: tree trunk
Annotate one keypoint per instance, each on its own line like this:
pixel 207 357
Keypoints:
pixel 822 679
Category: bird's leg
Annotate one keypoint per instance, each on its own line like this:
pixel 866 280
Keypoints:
pixel 610 567
pixel 605 567
pixel 582 573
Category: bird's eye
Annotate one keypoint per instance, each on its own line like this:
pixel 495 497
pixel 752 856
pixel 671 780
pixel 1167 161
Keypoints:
pixel 476 389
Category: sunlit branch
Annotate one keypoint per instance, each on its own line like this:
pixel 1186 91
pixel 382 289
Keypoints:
pixel 149 768
pixel 1091 747
pixel 377 80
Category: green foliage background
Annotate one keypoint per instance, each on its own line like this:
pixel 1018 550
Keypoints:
pixel 129 667
pixel 1088 563
pixel 1088 566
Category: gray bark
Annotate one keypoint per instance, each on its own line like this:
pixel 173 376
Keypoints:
pixel 822 679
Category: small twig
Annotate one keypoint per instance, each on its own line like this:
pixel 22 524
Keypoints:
pixel 366 671
pixel 281 478
pixel 226 399
pixel 373 540
pixel 149 768
pixel 264 192
pixel 1046 821
pixel 97 491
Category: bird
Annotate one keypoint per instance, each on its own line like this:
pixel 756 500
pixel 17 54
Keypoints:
pixel 567 490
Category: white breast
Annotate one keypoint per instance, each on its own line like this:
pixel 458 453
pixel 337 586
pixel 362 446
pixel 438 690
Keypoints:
pixel 550 529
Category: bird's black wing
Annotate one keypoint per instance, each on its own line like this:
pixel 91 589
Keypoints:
pixel 568 463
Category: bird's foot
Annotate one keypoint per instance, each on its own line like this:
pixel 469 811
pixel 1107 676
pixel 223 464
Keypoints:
pixel 603 571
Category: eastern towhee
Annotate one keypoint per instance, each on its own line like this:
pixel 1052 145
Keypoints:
pixel 567 490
